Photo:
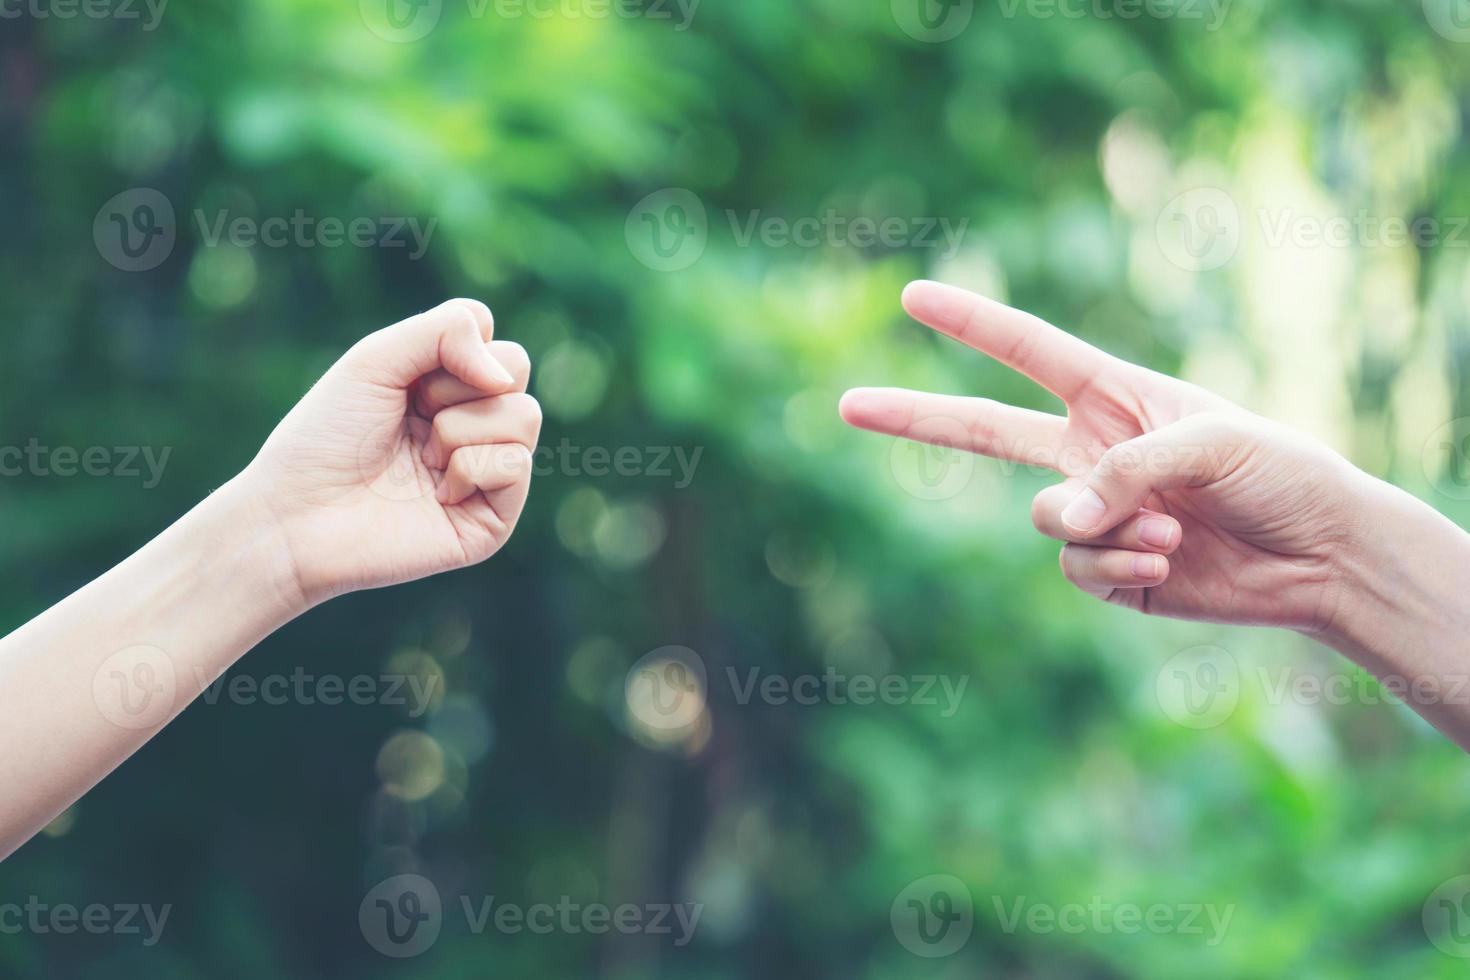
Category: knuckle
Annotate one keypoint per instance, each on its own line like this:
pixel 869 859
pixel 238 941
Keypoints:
pixel 512 354
pixel 443 427
pixel 464 322
pixel 473 308
pixel 376 344
pixel 471 312
pixel 478 464
pixel 1121 461
pixel 1024 347
pixel 462 464
pixel 1039 512
pixel 1220 429
pixel 515 461
pixel 528 408
pixel 981 426
pixel 1065 561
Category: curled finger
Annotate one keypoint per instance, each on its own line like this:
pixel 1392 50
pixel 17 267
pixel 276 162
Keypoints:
pixel 1101 571
pixel 1146 530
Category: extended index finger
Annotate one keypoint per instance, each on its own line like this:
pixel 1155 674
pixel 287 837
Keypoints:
pixel 1054 359
pixel 976 425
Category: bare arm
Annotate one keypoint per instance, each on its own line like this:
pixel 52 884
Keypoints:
pixel 1176 502
pixel 1405 611
pixel 410 457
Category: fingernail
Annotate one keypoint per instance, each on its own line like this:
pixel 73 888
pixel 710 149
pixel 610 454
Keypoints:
pixel 1085 512
pixel 1156 532
pixel 498 370
pixel 1147 567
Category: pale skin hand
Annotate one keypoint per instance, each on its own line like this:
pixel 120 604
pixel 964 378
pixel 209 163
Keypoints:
pixel 396 465
pixel 411 456
pixel 1179 503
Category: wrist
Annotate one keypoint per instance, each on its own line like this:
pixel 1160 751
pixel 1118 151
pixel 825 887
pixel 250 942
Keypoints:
pixel 1395 583
pixel 236 521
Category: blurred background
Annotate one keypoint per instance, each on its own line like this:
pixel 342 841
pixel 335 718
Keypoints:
pixel 698 217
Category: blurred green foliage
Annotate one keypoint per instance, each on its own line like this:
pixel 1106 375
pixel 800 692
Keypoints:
pixel 797 545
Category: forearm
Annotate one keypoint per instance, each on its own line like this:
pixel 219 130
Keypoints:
pixel 88 682
pixel 1403 611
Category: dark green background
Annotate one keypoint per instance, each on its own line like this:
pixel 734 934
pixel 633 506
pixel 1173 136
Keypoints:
pixel 797 545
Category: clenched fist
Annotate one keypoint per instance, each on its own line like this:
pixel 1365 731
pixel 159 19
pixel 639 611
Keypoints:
pixel 411 456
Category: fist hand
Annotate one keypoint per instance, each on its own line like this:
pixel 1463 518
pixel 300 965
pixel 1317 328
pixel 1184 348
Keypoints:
pixel 1176 502
pixel 411 456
